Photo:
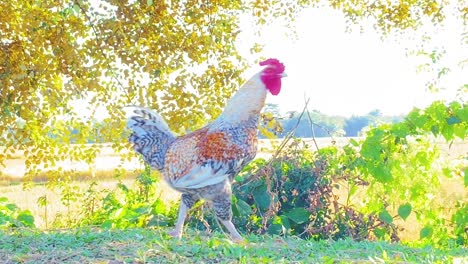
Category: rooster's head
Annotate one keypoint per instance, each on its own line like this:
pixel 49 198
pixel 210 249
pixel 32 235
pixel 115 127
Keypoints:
pixel 272 74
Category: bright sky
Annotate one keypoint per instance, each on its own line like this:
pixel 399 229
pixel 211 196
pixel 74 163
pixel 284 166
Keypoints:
pixel 353 73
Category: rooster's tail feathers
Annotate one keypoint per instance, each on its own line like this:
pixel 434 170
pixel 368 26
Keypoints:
pixel 151 136
pixel 136 114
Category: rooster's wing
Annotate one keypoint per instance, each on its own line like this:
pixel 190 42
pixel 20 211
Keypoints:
pixel 205 157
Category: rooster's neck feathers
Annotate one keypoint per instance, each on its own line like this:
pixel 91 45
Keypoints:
pixel 246 103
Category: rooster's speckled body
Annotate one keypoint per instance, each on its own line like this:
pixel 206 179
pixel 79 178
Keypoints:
pixel 202 164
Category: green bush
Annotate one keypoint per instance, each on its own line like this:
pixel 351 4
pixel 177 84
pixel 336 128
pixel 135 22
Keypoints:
pixel 292 194
pixel 12 216
pixel 129 207
pixel 395 172
pixel 460 220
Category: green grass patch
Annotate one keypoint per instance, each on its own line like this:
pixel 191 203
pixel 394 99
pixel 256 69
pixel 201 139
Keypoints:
pixel 154 246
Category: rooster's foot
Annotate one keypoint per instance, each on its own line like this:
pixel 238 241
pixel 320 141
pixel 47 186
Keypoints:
pixel 175 234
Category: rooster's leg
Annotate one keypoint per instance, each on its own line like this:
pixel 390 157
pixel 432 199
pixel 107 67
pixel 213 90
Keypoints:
pixel 222 206
pixel 185 204
pixel 177 232
pixel 236 237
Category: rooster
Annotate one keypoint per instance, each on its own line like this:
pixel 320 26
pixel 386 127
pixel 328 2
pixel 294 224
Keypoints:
pixel 202 164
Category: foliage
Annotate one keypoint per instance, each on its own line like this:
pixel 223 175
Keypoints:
pixel 12 216
pixel 460 222
pixel 154 246
pixel 292 194
pixel 395 165
pixel 404 171
pixel 132 208
pixel 64 63
pixel 135 203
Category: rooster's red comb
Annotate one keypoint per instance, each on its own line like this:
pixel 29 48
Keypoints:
pixel 274 63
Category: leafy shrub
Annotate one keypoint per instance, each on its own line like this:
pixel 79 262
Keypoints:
pixel 405 170
pixel 293 194
pixel 460 221
pixel 12 216
pixel 127 207
pixel 396 167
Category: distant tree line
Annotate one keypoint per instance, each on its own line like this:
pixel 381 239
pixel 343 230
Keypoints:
pixel 312 124
pixel 316 124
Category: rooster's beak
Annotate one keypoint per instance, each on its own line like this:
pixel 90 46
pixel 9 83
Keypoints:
pixel 283 75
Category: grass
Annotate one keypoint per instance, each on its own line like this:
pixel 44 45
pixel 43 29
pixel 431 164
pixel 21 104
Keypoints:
pixel 154 246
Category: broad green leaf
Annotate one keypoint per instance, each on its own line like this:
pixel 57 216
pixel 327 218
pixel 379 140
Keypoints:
pixel 275 229
pixel 354 142
pixel 76 9
pixel 417 119
pixel 11 207
pixel 453 120
pixel 426 232
pixel 462 113
pixel 107 224
pixel 26 218
pixel 381 173
pixel 447 172
pixel 285 221
pixel 386 217
pixel 379 233
pixel 243 207
pixel 371 147
pixel 460 131
pixel 329 260
pixel 298 215
pixel 460 217
pixel 354 188
pixel 261 197
pixel 447 132
pixel 404 210
pixel 159 207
